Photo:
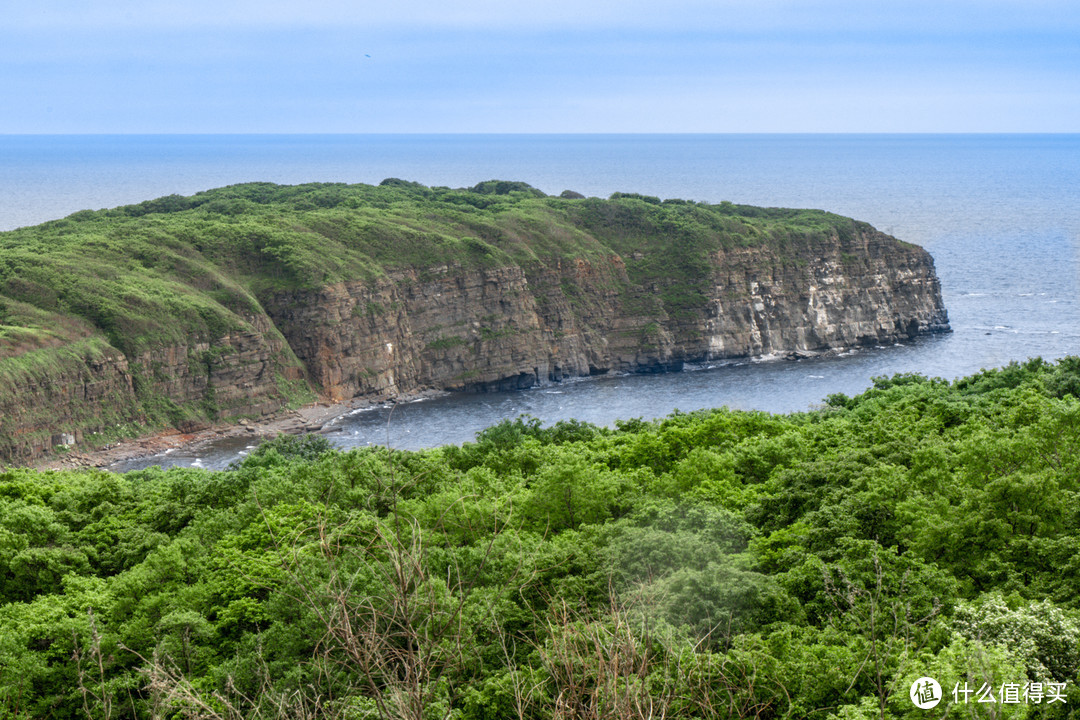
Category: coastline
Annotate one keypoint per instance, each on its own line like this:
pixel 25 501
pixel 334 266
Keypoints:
pixel 323 415
pixel 311 418
pixel 308 418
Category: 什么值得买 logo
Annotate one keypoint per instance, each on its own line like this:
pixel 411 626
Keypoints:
pixel 925 693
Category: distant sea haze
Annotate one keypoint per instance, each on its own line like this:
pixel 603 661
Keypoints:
pixel 999 213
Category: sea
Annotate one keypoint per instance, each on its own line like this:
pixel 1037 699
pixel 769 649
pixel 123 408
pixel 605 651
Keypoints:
pixel 1000 214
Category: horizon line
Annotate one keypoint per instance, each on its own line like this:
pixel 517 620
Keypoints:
pixel 534 134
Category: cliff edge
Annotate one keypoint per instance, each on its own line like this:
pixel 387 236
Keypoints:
pixel 240 301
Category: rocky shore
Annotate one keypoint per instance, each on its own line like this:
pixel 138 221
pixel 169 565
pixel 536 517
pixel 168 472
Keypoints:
pixel 310 418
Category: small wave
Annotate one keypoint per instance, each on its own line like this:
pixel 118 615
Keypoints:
pixel 816 377
pixel 770 357
pixel 359 410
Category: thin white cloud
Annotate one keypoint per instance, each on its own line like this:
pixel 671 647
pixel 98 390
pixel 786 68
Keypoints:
pixel 927 16
pixel 556 66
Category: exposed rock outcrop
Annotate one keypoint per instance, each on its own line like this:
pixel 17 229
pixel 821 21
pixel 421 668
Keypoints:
pixel 90 392
pixel 510 327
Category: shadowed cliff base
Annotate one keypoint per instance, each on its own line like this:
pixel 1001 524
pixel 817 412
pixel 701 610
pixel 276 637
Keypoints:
pixel 236 303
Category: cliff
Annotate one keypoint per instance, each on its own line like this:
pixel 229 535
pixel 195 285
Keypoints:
pixel 237 302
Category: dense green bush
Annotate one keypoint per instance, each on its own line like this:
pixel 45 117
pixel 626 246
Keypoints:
pixel 713 564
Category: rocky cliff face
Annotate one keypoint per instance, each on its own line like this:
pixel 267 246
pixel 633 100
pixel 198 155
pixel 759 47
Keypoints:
pixel 88 380
pixel 511 327
pixel 91 392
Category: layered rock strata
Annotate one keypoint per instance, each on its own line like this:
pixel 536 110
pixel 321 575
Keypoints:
pixel 512 327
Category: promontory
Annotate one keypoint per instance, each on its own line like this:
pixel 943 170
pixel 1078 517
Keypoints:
pixel 238 302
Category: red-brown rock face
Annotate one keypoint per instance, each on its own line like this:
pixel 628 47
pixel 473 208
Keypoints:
pixel 450 328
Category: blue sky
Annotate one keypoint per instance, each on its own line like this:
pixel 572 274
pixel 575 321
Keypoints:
pixel 121 66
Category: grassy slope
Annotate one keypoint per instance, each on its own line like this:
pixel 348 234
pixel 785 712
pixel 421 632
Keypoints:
pixel 168 269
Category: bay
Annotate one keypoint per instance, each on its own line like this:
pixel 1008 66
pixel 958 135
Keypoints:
pixel 999 213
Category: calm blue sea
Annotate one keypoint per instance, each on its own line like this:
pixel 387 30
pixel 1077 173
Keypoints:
pixel 999 213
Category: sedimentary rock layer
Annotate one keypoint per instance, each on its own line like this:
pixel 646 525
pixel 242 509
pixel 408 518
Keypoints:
pixel 510 327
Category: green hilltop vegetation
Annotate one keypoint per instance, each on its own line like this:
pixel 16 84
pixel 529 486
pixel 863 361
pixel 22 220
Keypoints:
pixel 715 564
pixel 175 268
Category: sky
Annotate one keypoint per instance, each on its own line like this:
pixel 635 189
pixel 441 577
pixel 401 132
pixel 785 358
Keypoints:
pixel 544 66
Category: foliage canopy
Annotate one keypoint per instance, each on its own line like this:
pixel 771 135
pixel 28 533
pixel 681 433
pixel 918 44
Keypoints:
pixel 712 564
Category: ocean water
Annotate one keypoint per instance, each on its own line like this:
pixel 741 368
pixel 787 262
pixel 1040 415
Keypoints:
pixel 999 213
